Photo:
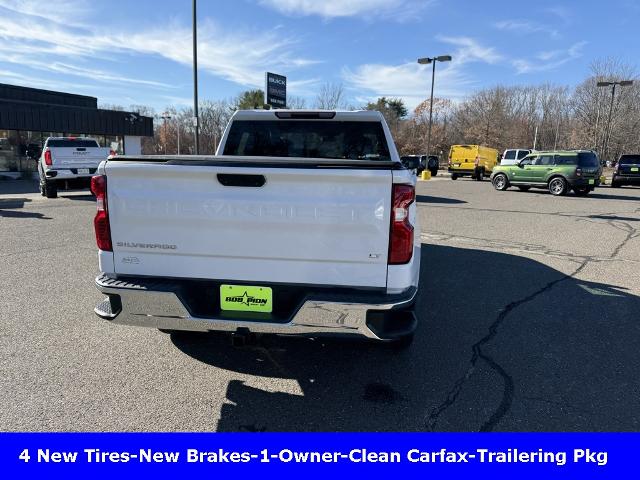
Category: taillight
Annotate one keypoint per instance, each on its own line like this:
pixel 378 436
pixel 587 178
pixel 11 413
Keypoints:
pixel 101 220
pixel 578 172
pixel 401 234
pixel 47 157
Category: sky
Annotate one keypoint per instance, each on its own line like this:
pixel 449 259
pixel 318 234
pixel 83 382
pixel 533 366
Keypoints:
pixel 140 53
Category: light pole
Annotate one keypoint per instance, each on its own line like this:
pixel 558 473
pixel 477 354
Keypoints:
pixel 427 61
pixel 178 133
pixel 607 133
pixel 165 116
pixel 195 79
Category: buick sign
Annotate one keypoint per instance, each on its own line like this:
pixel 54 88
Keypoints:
pixel 275 90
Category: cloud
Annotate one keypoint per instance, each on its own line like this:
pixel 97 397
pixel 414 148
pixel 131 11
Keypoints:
pixel 238 56
pixel 411 81
pixel 549 60
pixel 400 10
pixel 561 12
pixel 64 12
pixel 77 71
pixel 470 50
pixel 10 76
pixel 525 27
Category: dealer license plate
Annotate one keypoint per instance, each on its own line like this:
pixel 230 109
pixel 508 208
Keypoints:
pixel 246 298
pixel 83 171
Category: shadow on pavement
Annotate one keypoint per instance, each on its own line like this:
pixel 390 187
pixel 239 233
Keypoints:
pixel 430 199
pixel 8 206
pixel 17 202
pixel 85 198
pixel 504 343
pixel 16 187
pixel 14 214
pixel 612 197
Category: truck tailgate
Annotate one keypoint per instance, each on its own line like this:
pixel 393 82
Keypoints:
pixel 78 157
pixel 320 226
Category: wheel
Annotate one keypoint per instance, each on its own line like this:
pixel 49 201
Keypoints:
pixel 558 186
pixel 41 187
pixel 434 172
pixel 524 189
pixel 615 184
pixel 454 176
pixel 581 191
pixel 500 182
pixel 479 175
pixel 50 190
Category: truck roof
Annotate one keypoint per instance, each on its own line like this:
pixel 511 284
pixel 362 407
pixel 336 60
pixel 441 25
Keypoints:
pixel 559 152
pixel 336 115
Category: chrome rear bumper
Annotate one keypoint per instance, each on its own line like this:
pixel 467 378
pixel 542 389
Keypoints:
pixel 155 304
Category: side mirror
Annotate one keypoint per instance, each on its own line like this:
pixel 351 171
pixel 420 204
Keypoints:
pixel 412 163
pixel 521 164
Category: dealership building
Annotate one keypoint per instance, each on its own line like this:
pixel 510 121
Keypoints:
pixel 29 115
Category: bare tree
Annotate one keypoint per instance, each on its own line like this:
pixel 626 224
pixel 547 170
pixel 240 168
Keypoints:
pixel 296 103
pixel 331 96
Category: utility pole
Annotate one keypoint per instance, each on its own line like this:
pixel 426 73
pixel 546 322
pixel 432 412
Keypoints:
pixel 195 80
pixel 535 138
pixel 607 132
pixel 165 116
pixel 555 142
pixel 178 131
pixel 427 61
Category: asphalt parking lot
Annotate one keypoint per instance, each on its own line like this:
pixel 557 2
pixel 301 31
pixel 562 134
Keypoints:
pixel 528 322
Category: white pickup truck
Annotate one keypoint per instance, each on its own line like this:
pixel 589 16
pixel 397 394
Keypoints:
pixel 69 161
pixel 302 224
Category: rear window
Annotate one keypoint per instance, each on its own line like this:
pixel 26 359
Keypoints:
pixel 588 159
pixel 566 159
pixel 77 142
pixel 629 159
pixel 308 139
pixel 510 155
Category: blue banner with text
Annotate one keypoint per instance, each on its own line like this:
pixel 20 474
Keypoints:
pixel 412 455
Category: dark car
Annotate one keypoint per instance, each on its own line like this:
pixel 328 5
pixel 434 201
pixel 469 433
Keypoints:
pixel 427 162
pixel 433 164
pixel 34 150
pixel 627 171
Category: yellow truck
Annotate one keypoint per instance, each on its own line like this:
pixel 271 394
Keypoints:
pixel 475 161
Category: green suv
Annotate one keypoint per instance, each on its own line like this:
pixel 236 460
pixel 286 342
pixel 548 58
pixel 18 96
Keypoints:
pixel 559 172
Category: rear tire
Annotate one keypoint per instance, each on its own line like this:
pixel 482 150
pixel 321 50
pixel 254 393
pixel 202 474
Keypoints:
pixel 500 182
pixel 615 184
pixel 434 172
pixel 581 191
pixel 454 176
pixel 50 190
pixel 558 186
